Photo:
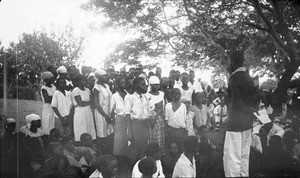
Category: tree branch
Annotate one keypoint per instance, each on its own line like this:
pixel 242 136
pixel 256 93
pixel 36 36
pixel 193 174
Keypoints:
pixel 269 24
pixel 282 25
pixel 257 26
pixel 208 38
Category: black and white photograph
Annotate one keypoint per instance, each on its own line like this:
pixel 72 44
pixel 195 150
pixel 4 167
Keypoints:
pixel 149 88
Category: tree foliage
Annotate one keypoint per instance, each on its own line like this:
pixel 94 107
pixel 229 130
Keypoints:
pixel 34 52
pixel 202 33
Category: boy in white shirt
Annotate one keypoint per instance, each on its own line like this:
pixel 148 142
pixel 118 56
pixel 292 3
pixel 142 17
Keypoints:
pixel 137 110
pixel 62 104
pixel 175 116
pixel 220 114
pixel 186 166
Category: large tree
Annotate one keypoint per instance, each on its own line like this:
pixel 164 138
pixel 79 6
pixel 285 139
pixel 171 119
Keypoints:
pixel 34 52
pixel 202 33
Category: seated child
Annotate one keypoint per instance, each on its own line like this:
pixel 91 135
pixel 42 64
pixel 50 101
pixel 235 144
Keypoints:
pixel 81 157
pixel 203 139
pixel 57 161
pixel 54 135
pixel 87 141
pixel 34 141
pixel 220 114
pixel 107 167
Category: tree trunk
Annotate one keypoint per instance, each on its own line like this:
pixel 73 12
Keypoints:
pixel 283 84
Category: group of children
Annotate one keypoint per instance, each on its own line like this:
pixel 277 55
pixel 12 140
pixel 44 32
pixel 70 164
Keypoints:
pixel 157 125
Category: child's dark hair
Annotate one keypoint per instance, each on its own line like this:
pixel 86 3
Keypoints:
pixel 104 160
pixel 201 128
pixel 137 81
pixel 147 166
pixel 76 169
pixel 79 78
pixel 55 132
pixel 190 143
pixel 174 90
pixel 83 136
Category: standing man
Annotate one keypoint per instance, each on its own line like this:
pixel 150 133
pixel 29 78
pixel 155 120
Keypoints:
pixel 137 110
pixel 240 114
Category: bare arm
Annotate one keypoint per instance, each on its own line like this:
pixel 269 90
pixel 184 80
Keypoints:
pixel 80 102
pixel 57 112
pixel 98 107
pixel 47 98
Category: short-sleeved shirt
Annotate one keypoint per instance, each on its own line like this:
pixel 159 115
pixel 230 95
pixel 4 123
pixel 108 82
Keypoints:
pixel 200 117
pixel 219 110
pixel 62 102
pixel 184 167
pixel 176 119
pixel 137 106
pixel 117 104
pixel 153 99
pixel 186 95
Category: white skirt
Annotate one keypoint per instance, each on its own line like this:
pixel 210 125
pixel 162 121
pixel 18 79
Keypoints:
pixel 83 122
pixel 48 120
pixel 103 129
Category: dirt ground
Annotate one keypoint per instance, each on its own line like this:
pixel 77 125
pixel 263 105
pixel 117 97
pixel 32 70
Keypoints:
pixel 18 109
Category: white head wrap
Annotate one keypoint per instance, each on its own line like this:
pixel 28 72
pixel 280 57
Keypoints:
pixel 31 117
pixel 10 120
pixel 61 70
pixel 92 74
pixel 154 80
pixel 100 72
pixel 46 75
pixel 144 76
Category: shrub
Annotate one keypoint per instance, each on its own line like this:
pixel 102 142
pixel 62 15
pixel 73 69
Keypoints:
pixel 20 92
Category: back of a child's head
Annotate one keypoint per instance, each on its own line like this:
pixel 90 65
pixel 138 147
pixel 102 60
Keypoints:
pixel 202 129
pixel 85 137
pixel 275 142
pixel 54 133
pixel 73 172
pixel 191 144
pixel 147 166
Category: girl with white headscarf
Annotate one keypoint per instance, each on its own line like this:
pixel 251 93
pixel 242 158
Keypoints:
pixel 47 91
pixel 34 141
pixel 157 103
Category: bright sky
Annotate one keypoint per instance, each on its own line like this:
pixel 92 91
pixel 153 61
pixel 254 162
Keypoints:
pixel 18 16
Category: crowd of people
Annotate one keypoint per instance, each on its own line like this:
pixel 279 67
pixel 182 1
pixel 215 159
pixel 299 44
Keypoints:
pixel 94 122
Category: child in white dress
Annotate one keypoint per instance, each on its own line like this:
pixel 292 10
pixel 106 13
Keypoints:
pixel 47 91
pixel 83 117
